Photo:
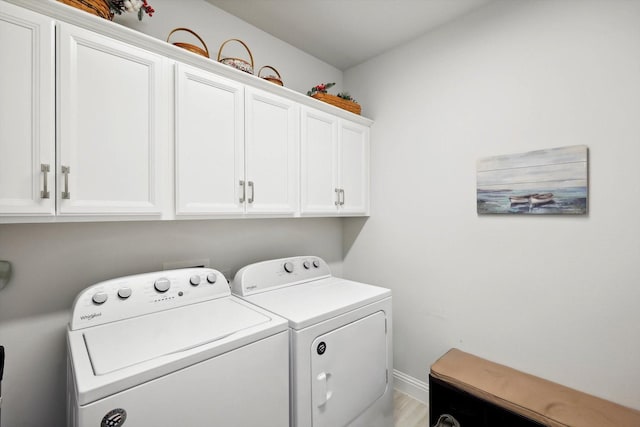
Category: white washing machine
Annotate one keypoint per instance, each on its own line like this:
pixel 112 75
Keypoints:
pixel 341 345
pixel 175 348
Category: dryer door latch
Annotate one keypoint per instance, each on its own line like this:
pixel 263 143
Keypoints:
pixel 324 394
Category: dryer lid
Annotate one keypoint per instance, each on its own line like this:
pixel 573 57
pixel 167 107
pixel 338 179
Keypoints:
pixel 121 344
pixel 309 303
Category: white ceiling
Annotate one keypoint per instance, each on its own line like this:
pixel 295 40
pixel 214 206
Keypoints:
pixel 345 33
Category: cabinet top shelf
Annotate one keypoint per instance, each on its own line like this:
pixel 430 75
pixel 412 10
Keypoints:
pixel 68 14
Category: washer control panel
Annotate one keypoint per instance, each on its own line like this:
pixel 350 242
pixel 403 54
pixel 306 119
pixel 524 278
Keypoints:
pixel 277 273
pixel 133 296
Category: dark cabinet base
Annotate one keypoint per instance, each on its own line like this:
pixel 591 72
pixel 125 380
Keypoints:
pixel 469 410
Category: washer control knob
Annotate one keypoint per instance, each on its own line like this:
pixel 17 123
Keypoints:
pixel 99 297
pixel 195 280
pixel 316 263
pixel 124 293
pixel 211 278
pixel 162 285
pixel 306 265
pixel 288 267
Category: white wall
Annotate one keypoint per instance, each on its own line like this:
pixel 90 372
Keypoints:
pixel 299 70
pixel 554 296
pixel 54 262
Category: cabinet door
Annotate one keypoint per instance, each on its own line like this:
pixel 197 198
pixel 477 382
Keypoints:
pixel 271 153
pixel 27 128
pixel 111 96
pixel 319 162
pixel 209 143
pixel 354 168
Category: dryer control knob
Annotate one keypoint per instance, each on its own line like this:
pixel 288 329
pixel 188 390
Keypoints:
pixel 162 285
pixel 288 267
pixel 316 263
pixel 99 297
pixel 211 278
pixel 306 265
pixel 124 293
pixel 195 280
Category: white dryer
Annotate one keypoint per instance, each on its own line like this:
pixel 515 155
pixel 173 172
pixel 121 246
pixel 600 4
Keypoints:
pixel 341 345
pixel 175 348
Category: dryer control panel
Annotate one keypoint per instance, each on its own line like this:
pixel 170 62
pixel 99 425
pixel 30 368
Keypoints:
pixel 133 296
pixel 278 273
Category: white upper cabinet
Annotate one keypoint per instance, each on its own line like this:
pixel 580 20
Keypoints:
pixel 209 144
pixel 334 164
pixel 319 162
pixel 112 102
pixel 123 126
pixel 236 148
pixel 27 113
pixel 354 168
pixel 272 142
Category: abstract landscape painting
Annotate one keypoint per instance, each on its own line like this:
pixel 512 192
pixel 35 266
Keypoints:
pixel 553 181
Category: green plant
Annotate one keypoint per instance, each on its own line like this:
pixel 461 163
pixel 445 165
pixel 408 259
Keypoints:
pixel 346 96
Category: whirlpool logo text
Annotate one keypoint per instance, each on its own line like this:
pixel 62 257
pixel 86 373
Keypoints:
pixel 90 316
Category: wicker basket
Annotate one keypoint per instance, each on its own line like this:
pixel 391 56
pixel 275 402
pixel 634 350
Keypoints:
pixel 237 63
pixel 190 47
pixel 351 106
pixel 271 78
pixel 95 7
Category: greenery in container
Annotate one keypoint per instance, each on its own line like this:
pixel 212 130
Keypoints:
pixel 322 88
pixel 346 97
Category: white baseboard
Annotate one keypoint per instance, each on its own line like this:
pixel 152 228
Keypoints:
pixel 407 384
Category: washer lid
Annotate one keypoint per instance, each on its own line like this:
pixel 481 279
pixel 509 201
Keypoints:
pixel 312 302
pixel 121 344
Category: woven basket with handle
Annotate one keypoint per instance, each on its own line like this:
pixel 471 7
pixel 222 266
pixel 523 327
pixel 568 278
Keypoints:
pixel 188 46
pixel 271 78
pixel 237 63
pixel 95 7
pixel 351 106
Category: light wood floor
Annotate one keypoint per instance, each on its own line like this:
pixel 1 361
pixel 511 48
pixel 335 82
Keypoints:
pixel 408 412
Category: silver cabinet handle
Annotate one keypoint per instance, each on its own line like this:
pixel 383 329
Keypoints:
pixel 244 191
pixel 337 191
pixel 65 171
pixel 253 192
pixel 342 192
pixel 44 168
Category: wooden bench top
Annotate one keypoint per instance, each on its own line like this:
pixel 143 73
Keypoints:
pixel 533 397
